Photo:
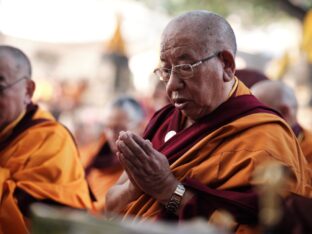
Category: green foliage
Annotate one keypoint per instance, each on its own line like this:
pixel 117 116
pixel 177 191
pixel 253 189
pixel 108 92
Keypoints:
pixel 251 11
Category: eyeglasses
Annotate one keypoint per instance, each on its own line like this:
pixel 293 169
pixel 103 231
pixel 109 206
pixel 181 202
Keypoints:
pixel 3 88
pixel 185 71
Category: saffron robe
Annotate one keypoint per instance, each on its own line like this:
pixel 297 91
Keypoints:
pixel 102 171
pixel 216 156
pixel 38 161
pixel 305 140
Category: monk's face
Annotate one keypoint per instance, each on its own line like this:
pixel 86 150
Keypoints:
pixel 205 90
pixel 117 120
pixel 13 100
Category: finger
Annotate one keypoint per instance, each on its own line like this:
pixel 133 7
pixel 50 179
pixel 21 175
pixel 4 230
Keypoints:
pixel 124 162
pixel 121 135
pixel 130 170
pixel 117 144
pixel 136 149
pixel 129 155
pixel 121 159
pixel 146 145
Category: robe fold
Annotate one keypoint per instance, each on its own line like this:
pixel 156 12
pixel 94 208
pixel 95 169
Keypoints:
pixel 38 159
pixel 305 140
pixel 216 156
pixel 102 172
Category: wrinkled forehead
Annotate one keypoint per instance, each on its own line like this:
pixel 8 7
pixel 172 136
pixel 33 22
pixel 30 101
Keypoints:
pixel 183 36
pixel 177 45
pixel 178 51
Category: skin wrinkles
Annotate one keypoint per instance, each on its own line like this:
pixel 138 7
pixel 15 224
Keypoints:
pixel 196 91
pixel 179 55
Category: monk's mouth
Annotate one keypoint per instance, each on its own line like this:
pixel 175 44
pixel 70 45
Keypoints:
pixel 180 105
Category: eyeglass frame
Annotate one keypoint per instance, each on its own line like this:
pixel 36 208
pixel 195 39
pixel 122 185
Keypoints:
pixel 3 88
pixel 199 62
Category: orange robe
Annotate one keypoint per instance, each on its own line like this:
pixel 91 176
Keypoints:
pixel 102 170
pixel 41 161
pixel 225 158
pixel 305 140
pixel 100 181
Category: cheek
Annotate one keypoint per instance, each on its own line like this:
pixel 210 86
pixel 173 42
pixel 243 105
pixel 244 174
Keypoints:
pixel 5 106
pixel 168 95
pixel 205 95
pixel 201 93
pixel 7 112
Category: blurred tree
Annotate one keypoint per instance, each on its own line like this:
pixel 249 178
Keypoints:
pixel 262 8
pixel 115 52
pixel 296 8
pixel 251 11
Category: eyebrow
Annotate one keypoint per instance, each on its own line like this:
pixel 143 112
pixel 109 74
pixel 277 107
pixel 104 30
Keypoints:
pixel 180 55
pixel 184 56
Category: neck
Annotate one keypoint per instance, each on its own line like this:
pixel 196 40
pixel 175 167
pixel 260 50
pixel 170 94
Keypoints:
pixel 6 130
pixel 228 90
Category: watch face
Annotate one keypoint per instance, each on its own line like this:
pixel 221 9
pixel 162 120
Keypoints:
pixel 180 190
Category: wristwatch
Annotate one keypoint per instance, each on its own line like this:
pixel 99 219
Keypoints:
pixel 175 201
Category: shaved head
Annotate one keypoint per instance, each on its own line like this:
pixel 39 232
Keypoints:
pixel 209 28
pixel 22 62
pixel 16 87
pixel 206 39
pixel 279 96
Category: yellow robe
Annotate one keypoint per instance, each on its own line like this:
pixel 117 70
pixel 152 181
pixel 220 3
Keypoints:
pixel 226 158
pixel 42 161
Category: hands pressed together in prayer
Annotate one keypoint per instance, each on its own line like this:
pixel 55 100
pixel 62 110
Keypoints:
pixel 147 169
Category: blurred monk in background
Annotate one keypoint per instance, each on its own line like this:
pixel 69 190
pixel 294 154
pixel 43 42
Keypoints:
pixel 38 157
pixel 250 76
pixel 281 97
pixel 103 168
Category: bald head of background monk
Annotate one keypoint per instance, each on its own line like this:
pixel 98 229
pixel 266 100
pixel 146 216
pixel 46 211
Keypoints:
pixel 279 96
pixel 16 86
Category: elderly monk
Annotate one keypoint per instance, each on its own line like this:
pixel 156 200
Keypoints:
pixel 198 153
pixel 103 168
pixel 281 97
pixel 38 157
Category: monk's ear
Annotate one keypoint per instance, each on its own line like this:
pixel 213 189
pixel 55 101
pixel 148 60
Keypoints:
pixel 228 63
pixel 30 89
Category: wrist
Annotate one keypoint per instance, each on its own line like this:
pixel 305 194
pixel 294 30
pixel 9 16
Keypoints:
pixel 167 192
